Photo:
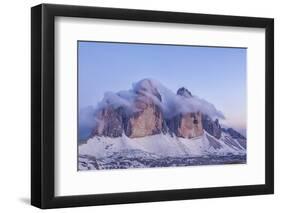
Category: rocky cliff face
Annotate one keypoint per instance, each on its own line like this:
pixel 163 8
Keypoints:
pixel 212 127
pixel 110 122
pixel 146 122
pixel 184 92
pixel 187 125
pixel 191 125
pixel 148 118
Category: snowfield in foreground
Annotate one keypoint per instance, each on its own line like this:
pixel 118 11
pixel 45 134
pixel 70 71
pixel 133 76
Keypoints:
pixel 160 150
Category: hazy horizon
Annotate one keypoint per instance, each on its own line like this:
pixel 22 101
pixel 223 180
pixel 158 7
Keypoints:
pixel 215 74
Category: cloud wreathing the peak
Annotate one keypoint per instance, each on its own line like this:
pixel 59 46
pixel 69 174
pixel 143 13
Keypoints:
pixel 173 104
pixel 169 102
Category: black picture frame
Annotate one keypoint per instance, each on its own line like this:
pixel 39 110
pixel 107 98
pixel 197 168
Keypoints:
pixel 43 102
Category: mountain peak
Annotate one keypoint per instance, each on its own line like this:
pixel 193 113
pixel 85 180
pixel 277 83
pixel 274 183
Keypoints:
pixel 147 87
pixel 184 92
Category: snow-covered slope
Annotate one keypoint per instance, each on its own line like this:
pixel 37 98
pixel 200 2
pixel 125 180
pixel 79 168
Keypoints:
pixel 163 145
pixel 161 150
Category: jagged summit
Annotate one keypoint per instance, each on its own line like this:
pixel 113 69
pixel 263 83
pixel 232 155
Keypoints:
pixel 171 103
pixel 147 87
pixel 150 108
pixel 184 92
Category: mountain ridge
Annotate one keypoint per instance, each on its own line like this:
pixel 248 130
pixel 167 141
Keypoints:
pixel 150 108
pixel 150 126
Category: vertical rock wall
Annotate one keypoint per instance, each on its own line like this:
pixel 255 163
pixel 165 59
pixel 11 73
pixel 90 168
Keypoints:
pixel 148 118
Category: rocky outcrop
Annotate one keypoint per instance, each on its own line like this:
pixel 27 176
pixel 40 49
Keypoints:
pixel 147 122
pixel 110 122
pixel 147 118
pixel 191 125
pixel 184 92
pixel 188 125
pixel 212 127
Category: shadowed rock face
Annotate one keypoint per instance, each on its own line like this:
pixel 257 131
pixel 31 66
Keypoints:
pixel 212 127
pixel 188 125
pixel 184 92
pixel 110 122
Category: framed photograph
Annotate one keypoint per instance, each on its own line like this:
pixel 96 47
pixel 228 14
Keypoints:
pixel 139 106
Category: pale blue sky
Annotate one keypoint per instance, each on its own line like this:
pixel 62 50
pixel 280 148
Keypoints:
pixel 215 74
